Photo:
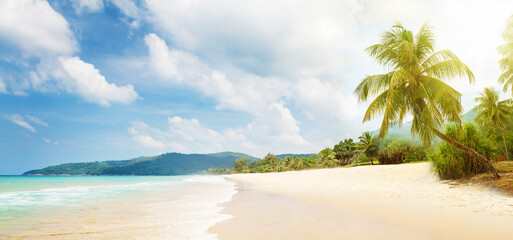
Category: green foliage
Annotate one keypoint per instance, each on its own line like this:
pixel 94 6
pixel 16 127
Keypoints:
pixel 400 150
pixel 344 151
pixel 451 163
pixel 494 113
pixel 416 84
pixel 491 111
pixel 241 165
pixel 367 146
pixel 327 158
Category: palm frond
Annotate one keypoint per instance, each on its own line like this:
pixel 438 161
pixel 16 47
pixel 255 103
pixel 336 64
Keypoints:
pixel 449 69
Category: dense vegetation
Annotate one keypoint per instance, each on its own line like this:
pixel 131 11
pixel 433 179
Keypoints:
pixel 451 163
pixel 165 164
pixel 392 150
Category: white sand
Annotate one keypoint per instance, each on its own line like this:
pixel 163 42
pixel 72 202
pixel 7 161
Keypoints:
pixel 399 201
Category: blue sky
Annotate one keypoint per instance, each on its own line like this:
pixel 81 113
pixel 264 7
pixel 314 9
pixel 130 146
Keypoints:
pixel 91 80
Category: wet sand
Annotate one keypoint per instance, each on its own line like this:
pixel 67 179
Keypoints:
pixel 370 202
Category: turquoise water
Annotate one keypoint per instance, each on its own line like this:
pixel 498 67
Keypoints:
pixel 20 195
pixel 180 202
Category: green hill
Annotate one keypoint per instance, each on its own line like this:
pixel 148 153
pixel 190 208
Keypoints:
pixel 165 164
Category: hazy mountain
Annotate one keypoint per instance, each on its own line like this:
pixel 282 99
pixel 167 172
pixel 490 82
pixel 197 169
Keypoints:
pixel 165 164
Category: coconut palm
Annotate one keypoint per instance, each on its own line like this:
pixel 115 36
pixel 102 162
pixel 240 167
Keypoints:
pixel 327 158
pixel 367 141
pixel 506 63
pixel 416 86
pixel 492 112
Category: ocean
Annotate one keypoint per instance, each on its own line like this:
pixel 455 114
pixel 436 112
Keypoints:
pixel 111 207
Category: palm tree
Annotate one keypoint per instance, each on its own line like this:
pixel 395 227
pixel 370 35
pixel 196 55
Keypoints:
pixel 506 63
pixel 367 140
pixel 327 158
pixel 492 112
pixel 416 86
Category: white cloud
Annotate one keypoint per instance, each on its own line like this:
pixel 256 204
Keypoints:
pixel 40 31
pixel 148 141
pixel 18 120
pixel 161 59
pixel 87 5
pixel 3 89
pixel 87 82
pixel 127 7
pixel 81 78
pixel 261 97
pixel 36 120
pixel 259 36
pixel 46 140
pixel 191 130
pixel 35 27
pixel 248 92
pixel 189 135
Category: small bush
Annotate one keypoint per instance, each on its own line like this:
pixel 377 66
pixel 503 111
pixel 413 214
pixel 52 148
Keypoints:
pixel 395 151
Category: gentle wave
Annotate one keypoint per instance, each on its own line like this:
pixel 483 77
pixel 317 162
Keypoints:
pixel 63 195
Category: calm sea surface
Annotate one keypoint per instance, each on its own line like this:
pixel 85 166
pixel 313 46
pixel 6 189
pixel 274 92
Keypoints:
pixel 111 207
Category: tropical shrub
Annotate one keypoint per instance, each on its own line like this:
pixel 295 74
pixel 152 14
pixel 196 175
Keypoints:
pixel 344 151
pixel 451 163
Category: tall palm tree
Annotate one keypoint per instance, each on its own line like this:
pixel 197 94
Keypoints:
pixel 492 112
pixel 416 86
pixel 506 63
pixel 367 140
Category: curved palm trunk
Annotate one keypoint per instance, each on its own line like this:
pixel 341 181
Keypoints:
pixel 505 146
pixel 469 151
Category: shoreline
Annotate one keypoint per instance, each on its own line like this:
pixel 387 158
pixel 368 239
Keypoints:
pixel 369 202
pixel 176 208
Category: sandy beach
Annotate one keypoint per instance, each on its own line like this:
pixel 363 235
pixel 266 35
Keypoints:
pixel 370 202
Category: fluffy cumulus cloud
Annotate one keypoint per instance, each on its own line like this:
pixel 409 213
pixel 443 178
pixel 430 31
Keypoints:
pixel 35 27
pixel 247 92
pixel 23 121
pixel 87 5
pixel 190 135
pixel 75 76
pixel 85 80
pixel 21 22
